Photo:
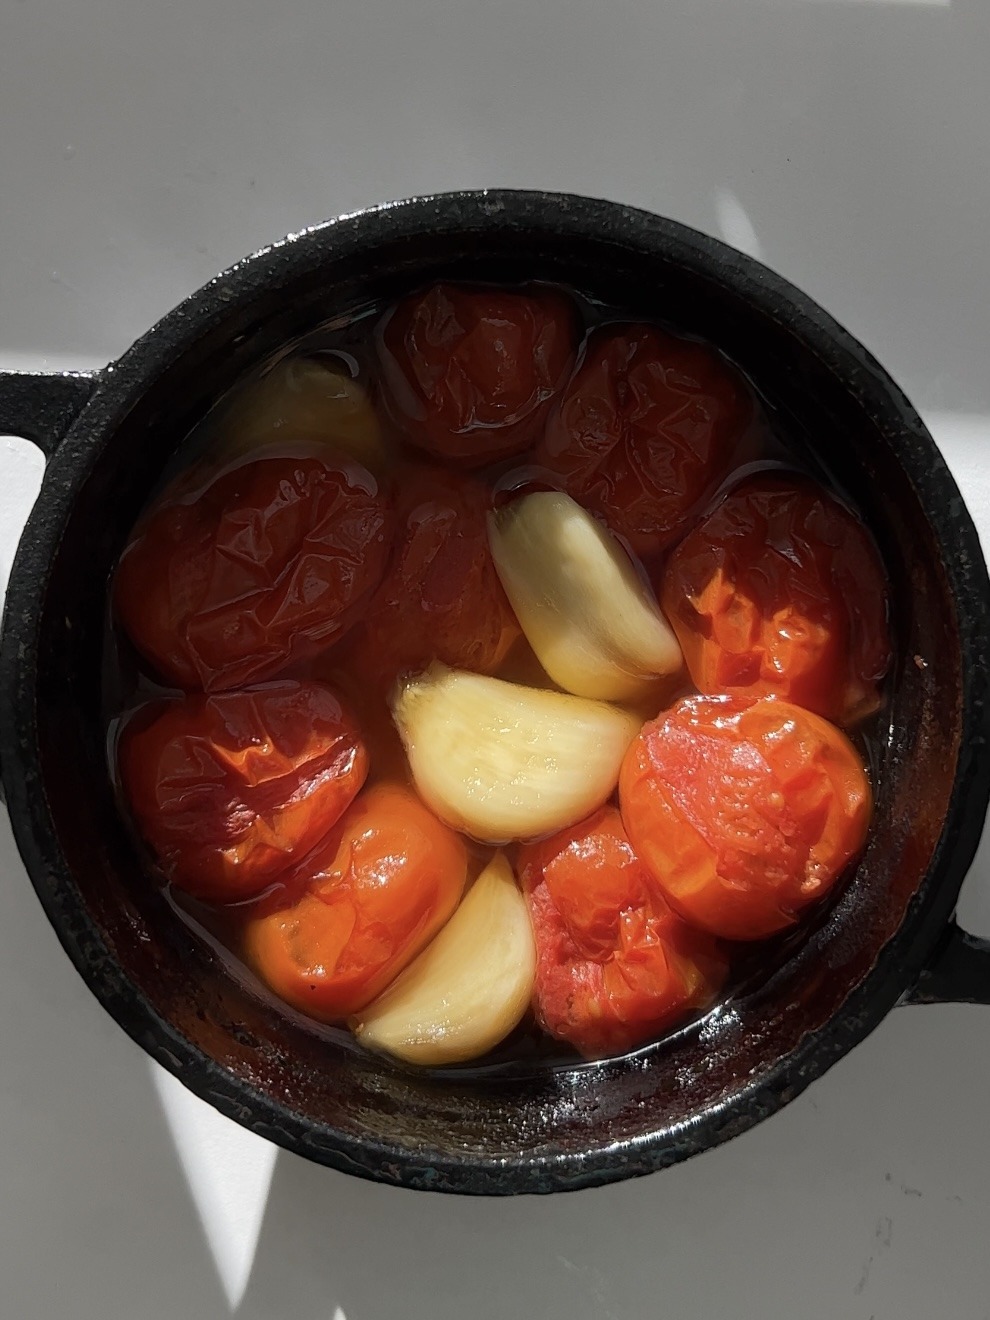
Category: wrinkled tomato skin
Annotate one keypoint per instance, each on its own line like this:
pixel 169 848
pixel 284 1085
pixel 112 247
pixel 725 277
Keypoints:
pixel 371 897
pixel 646 427
pixel 469 374
pixel 615 966
pixel 780 591
pixel 441 598
pixel 745 812
pixel 231 789
pixel 265 567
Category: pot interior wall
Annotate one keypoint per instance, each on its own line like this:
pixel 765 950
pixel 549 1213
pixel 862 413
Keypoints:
pixel 569 1110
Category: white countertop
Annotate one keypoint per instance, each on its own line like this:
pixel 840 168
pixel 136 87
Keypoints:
pixel 144 146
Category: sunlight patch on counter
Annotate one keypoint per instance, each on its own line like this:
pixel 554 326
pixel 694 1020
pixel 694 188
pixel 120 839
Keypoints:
pixel 228 1171
pixel 735 225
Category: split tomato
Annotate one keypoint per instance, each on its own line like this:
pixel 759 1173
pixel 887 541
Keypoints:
pixel 780 591
pixel 230 789
pixel 615 966
pixel 744 811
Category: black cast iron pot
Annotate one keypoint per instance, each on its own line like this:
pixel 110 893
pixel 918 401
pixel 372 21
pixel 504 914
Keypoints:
pixel 890 936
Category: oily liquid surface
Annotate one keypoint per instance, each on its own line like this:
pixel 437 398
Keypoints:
pixel 770 441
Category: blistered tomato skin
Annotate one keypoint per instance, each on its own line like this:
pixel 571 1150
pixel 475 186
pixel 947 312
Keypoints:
pixel 265 567
pixel 371 897
pixel 441 598
pixel 645 428
pixel 780 591
pixel 469 373
pixel 230 790
pixel 615 966
pixel 745 812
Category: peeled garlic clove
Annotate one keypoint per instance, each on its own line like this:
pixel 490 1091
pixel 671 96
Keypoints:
pixel 500 761
pixel 302 400
pixel 469 988
pixel 592 623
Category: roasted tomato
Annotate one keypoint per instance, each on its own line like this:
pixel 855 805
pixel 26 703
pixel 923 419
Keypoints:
pixel 441 598
pixel 744 811
pixel 780 591
pixel 265 567
pixel 644 429
pixel 231 789
pixel 615 966
pixel 375 893
pixel 469 373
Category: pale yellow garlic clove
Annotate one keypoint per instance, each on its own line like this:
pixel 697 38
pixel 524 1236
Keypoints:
pixel 593 624
pixel 468 989
pixel 301 400
pixel 501 761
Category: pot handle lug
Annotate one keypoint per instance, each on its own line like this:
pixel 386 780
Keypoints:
pixel 41 406
pixel 958 971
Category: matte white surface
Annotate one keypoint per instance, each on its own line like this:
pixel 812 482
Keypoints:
pixel 146 145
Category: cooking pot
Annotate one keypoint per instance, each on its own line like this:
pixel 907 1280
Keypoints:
pixel 889 937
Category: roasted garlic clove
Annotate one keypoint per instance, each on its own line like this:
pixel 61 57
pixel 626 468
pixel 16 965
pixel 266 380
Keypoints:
pixel 304 400
pixel 591 621
pixel 501 761
pixel 469 988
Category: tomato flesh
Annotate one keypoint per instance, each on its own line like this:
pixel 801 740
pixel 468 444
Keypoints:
pixel 645 427
pixel 264 568
pixel 615 965
pixel 367 901
pixel 469 374
pixel 745 811
pixel 780 591
pixel 231 789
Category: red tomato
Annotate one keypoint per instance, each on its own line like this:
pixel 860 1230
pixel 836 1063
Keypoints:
pixel 780 591
pixel 377 891
pixel 744 811
pixel 644 429
pixel 230 789
pixel 615 966
pixel 263 568
pixel 441 599
pixel 469 373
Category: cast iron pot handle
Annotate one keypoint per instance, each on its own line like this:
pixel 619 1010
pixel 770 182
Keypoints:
pixel 958 971
pixel 41 406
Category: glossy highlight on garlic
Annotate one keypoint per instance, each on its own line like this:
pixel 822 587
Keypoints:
pixel 592 622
